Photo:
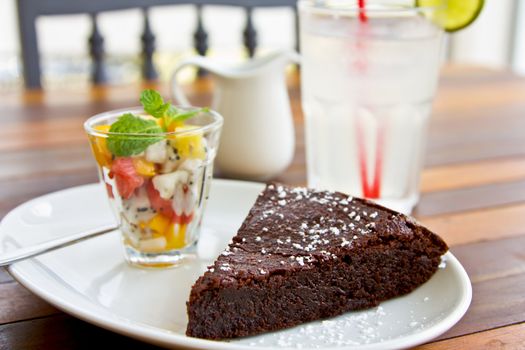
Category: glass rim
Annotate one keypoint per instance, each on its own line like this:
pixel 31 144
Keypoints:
pixel 342 7
pixel 215 124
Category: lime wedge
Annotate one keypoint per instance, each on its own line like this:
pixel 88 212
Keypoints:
pixel 453 15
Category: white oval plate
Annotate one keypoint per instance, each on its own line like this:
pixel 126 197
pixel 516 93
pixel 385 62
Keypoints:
pixel 91 280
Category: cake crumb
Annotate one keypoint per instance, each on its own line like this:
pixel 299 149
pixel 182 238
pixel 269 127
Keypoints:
pixel 224 267
pixel 345 242
pixel 297 246
pixel 443 263
pixel 335 230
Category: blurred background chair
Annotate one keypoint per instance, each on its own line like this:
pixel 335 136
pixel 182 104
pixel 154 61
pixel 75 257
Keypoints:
pixel 135 38
pixel 30 10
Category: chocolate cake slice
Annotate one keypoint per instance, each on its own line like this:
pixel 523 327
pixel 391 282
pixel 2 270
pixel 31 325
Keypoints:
pixel 303 255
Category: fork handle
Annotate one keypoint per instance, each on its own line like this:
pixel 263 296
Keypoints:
pixel 34 250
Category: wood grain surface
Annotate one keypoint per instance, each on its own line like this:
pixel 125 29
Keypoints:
pixel 504 338
pixel 472 194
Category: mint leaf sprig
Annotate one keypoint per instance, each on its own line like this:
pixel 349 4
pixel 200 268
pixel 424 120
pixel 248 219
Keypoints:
pixel 154 104
pixel 127 145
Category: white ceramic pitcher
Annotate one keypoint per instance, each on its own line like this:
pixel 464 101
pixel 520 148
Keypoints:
pixel 257 139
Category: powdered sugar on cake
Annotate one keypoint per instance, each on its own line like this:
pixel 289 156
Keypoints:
pixel 330 219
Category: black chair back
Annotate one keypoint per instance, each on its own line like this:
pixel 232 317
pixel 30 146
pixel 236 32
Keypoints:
pixel 29 10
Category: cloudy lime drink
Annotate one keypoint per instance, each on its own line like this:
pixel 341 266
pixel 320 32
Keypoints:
pixel 369 75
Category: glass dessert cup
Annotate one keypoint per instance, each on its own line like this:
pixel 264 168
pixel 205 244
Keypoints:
pixel 158 193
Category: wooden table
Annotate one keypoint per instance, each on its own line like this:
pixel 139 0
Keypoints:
pixel 473 195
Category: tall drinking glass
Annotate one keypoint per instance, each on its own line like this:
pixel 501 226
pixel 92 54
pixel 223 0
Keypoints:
pixel 368 80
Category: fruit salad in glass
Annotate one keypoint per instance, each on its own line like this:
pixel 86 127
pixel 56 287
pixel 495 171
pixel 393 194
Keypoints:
pixel 156 163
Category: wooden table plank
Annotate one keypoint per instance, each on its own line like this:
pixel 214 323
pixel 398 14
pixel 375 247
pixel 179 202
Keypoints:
pixel 497 285
pixel 505 338
pixel 460 141
pixel 478 94
pixel 473 174
pixel 471 198
pixel 481 259
pixel 16 192
pixel 37 163
pixel 485 302
pixel 17 304
pixel 480 225
pixel 63 332
pixel 5 276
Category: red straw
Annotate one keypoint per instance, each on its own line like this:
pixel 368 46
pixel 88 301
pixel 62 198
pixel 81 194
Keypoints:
pixel 375 191
pixel 361 150
pixel 370 190
pixel 362 13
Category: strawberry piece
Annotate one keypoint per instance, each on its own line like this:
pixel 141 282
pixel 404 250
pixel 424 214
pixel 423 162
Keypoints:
pixel 186 219
pixel 182 219
pixel 161 205
pixel 126 177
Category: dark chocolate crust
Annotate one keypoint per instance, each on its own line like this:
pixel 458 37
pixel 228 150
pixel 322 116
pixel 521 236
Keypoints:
pixel 303 255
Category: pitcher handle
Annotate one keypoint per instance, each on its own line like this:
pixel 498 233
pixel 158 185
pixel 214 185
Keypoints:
pixel 176 89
